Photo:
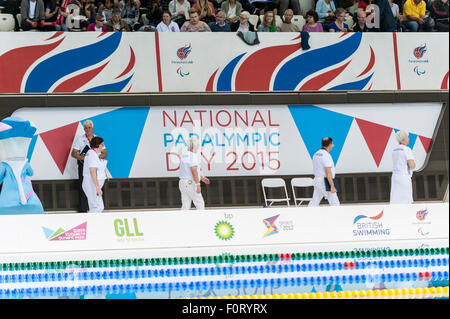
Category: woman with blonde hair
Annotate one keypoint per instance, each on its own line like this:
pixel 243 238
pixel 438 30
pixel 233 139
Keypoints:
pixel 206 10
pixel 268 23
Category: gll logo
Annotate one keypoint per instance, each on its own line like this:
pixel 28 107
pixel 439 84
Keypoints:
pixel 183 52
pixel 420 51
pixel 421 214
pixel 418 72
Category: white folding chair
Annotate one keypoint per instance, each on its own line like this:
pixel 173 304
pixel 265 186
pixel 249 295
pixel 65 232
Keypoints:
pixel 7 22
pixel 274 183
pixel 302 183
pixel 19 20
pixel 299 21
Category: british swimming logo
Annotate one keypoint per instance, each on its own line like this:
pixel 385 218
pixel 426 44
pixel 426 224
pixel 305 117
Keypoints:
pixel 76 233
pixel 369 226
pixel 357 218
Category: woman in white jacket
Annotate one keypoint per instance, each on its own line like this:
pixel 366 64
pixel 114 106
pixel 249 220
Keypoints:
pixel 94 175
pixel 402 170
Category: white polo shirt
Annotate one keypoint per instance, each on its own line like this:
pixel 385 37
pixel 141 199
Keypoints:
pixel 189 159
pixel 81 142
pixel 92 160
pixel 322 159
pixel 400 157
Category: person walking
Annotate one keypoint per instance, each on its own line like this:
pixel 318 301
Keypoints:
pixel 190 176
pixel 402 170
pixel 325 184
pixel 94 173
pixel 79 150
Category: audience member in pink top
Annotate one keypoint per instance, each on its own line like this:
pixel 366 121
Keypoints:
pixel 99 24
pixel 194 24
pixel 311 22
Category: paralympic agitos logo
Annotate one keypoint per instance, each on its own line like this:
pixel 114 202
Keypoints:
pixel 369 226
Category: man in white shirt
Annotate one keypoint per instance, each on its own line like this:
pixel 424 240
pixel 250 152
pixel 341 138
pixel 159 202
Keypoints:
pixel 323 167
pixel 403 165
pixel 79 151
pixel 190 176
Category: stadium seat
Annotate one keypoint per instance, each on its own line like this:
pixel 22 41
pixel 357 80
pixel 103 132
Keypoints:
pixel 299 21
pixel 19 20
pixel 301 183
pixel 274 183
pixel 6 22
pixel 349 21
pixel 306 5
pixel 144 20
pixel 254 19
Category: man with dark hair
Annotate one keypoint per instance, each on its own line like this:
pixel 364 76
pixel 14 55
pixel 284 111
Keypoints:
pixel 324 172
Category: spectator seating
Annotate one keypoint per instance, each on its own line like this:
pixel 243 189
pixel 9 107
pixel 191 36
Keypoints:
pixel 7 22
pixel 278 20
pixel 301 183
pixel 299 20
pixel 274 183
pixel 254 19
pixel 306 5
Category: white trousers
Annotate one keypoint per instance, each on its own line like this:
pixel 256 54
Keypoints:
pixel 401 189
pixel 189 194
pixel 320 192
pixel 95 202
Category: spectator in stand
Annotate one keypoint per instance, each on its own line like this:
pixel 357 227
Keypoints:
pixel 51 14
pixel 220 25
pixel 312 22
pixel 232 9
pixel 116 23
pixel 360 25
pixel 99 24
pixel 84 10
pixel 167 25
pixel 287 25
pixel 33 13
pixel 283 5
pixel 217 4
pixel 248 6
pixel 344 4
pixel 243 24
pixel 268 23
pixel 414 16
pixel 130 14
pixel 155 11
pixel 194 24
pixel 338 25
pixel 180 11
pixel 265 5
pixel 386 19
pixel 439 12
pixel 206 10
pixel 396 14
pixel 107 10
pixel 325 10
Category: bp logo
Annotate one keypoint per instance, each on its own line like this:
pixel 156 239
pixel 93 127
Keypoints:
pixel 224 230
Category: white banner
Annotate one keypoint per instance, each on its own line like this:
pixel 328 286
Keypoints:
pixel 224 228
pixel 236 140
pixel 53 62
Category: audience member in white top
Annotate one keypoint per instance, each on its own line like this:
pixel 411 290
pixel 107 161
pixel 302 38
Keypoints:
pixel 179 7
pixel 167 25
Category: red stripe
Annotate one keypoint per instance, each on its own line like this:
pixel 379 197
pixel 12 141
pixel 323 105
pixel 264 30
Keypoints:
pixel 397 70
pixel 158 62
